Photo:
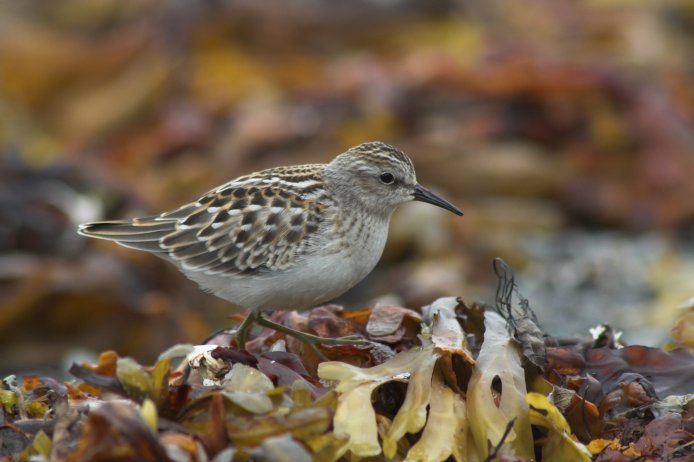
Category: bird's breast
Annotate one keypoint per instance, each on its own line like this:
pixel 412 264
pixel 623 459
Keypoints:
pixel 358 244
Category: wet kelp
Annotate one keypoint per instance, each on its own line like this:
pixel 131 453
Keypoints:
pixel 452 381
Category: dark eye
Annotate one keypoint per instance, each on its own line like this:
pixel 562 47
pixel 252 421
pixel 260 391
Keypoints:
pixel 387 178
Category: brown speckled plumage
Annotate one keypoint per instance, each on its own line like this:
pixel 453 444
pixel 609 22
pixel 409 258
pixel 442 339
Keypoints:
pixel 285 237
pixel 257 222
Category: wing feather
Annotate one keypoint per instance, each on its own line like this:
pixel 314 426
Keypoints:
pixel 244 226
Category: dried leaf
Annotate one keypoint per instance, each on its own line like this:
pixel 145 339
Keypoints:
pixel 446 427
pixel 106 364
pixel 29 382
pixel 42 444
pixel 116 430
pixel 282 449
pixel 148 410
pixel 303 423
pixel 387 319
pixel 282 375
pixel 215 436
pixel 664 436
pixel 136 381
pixel 360 317
pixel 96 380
pixel 8 398
pixel 356 386
pixel 446 333
pixel 598 445
pixel 670 373
pixel 246 387
pixel 160 381
pixel 558 445
pixel 182 447
pixel 584 418
pixel 412 414
pixel 683 330
pixel 498 370
pixel 325 322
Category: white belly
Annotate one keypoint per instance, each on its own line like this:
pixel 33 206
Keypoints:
pixel 318 277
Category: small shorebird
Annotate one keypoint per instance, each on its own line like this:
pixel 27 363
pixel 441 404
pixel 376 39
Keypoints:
pixel 286 237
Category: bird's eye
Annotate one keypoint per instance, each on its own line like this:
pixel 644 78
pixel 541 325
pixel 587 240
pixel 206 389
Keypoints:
pixel 387 178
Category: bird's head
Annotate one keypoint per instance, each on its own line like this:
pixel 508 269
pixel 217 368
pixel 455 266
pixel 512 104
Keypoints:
pixel 379 177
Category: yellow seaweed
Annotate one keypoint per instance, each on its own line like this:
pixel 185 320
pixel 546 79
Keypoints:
pixel 499 362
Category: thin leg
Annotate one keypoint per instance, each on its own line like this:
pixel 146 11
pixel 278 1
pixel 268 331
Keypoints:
pixel 242 331
pixel 308 338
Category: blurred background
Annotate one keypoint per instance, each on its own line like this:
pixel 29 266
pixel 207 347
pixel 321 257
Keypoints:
pixel 563 129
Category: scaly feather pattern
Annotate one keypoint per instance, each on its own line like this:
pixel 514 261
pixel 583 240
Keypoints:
pixel 258 222
pixel 285 237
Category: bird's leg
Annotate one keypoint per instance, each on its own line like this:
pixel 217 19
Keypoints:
pixel 242 330
pixel 309 339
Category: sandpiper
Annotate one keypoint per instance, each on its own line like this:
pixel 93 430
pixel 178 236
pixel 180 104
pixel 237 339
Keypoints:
pixel 283 238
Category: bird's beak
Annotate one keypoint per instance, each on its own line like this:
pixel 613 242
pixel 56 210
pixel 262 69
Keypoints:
pixel 422 194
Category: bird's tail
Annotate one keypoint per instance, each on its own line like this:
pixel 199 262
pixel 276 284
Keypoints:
pixel 140 233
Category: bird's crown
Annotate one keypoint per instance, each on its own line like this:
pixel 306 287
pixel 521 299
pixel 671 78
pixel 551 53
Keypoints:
pixel 381 154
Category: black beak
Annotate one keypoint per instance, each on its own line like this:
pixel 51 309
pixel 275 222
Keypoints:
pixel 422 194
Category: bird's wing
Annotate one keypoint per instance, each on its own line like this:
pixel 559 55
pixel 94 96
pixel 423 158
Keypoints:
pixel 238 228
